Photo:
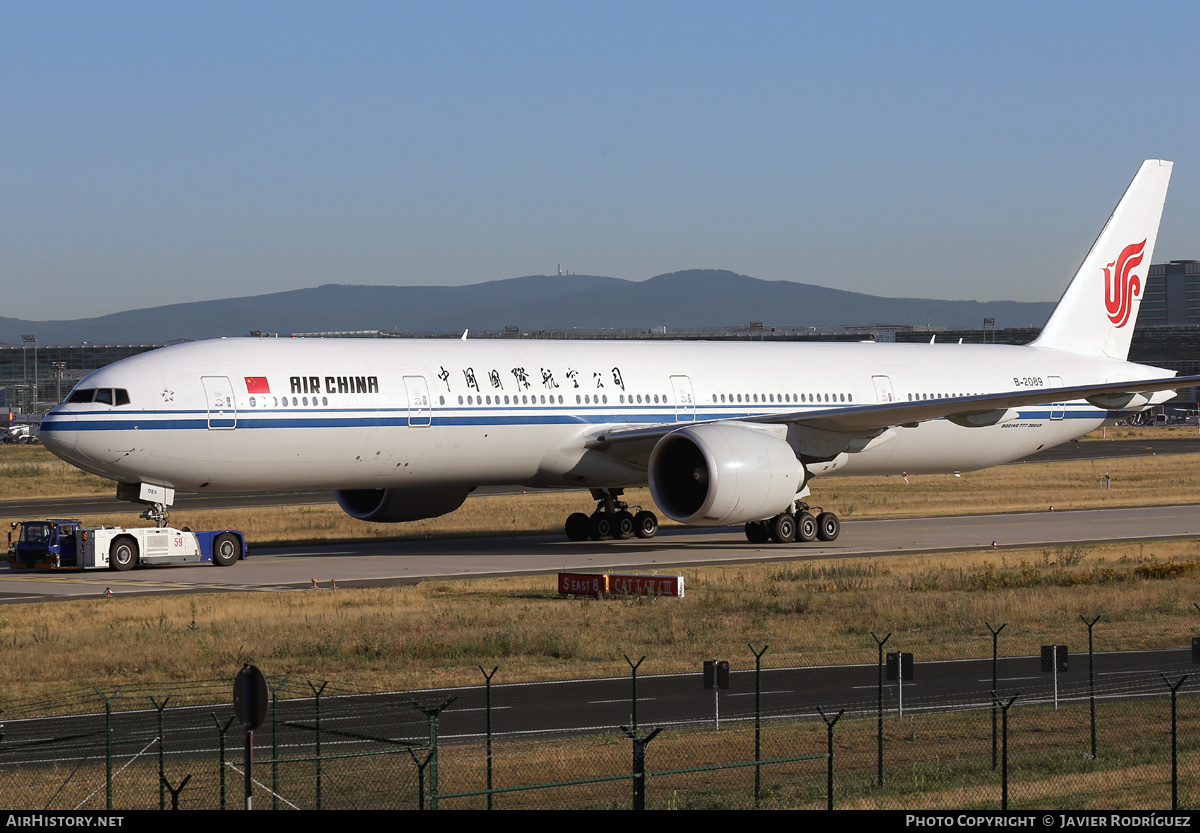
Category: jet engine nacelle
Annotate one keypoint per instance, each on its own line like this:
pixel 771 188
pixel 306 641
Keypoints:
pixel 712 475
pixel 396 505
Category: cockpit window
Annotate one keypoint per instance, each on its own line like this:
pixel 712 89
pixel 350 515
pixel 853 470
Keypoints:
pixel 105 396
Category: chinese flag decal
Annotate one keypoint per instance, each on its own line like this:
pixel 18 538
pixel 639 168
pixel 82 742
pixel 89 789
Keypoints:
pixel 257 384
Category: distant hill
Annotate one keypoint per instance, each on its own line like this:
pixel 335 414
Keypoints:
pixel 680 300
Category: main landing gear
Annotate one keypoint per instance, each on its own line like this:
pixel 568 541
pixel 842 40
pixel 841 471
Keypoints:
pixel 800 525
pixel 612 519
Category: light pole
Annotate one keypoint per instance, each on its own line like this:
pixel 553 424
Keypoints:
pixel 58 368
pixel 26 340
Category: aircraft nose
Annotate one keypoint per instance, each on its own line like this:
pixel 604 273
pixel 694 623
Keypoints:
pixel 58 432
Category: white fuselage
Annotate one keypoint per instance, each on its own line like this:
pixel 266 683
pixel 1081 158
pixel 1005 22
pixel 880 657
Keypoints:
pixel 242 414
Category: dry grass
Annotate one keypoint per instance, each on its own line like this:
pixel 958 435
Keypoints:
pixel 1136 481
pixel 812 613
pixel 30 471
pixel 436 633
pixel 1143 432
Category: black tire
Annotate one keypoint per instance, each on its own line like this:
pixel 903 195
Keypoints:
pixel 123 554
pixel 601 526
pixel 828 526
pixel 227 549
pixel 579 526
pixel 622 526
pixel 783 529
pixel 806 527
pixel 757 532
pixel 645 524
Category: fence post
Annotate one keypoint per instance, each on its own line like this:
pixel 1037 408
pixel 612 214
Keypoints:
pixel 221 730
pixel 162 772
pixel 432 713
pixel 758 655
pixel 487 683
pixel 1174 740
pixel 634 667
pixel 320 769
pixel 829 724
pixel 108 773
pixel 421 776
pixel 879 714
pixel 639 763
pixel 1004 707
pixel 1091 679
pixel 275 741
pixel 175 791
pixel 995 683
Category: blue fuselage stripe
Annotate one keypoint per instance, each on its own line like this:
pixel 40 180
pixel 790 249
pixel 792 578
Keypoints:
pixel 191 420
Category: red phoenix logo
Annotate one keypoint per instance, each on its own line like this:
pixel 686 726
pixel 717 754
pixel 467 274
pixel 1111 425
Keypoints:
pixel 1120 287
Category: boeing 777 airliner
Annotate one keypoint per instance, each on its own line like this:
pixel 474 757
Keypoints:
pixel 723 433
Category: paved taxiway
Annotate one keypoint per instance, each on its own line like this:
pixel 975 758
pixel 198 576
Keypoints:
pixel 372 563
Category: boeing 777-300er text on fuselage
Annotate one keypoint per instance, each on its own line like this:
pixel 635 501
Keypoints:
pixel 723 433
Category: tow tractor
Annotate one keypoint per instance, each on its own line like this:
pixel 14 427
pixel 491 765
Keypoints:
pixel 67 545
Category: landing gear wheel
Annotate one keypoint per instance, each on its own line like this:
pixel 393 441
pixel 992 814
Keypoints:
pixel 227 549
pixel 828 526
pixel 645 524
pixel 783 529
pixel 757 532
pixel 806 527
pixel 601 526
pixel 579 527
pixel 622 526
pixel 123 554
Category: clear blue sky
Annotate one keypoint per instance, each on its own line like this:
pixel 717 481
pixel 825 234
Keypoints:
pixel 164 152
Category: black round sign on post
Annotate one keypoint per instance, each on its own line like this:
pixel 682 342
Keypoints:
pixel 250 697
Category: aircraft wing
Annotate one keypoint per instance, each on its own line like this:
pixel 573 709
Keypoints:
pixel 867 420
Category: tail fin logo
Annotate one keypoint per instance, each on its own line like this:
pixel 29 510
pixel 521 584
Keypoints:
pixel 1120 287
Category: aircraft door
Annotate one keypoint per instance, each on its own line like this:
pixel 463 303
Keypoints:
pixel 883 389
pixel 685 400
pixel 419 410
pixel 1059 409
pixel 218 397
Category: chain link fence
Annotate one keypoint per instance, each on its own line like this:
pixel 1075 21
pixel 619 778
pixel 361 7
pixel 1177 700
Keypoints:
pixel 1039 731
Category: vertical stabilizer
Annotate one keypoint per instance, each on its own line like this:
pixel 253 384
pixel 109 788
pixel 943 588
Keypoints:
pixel 1096 314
